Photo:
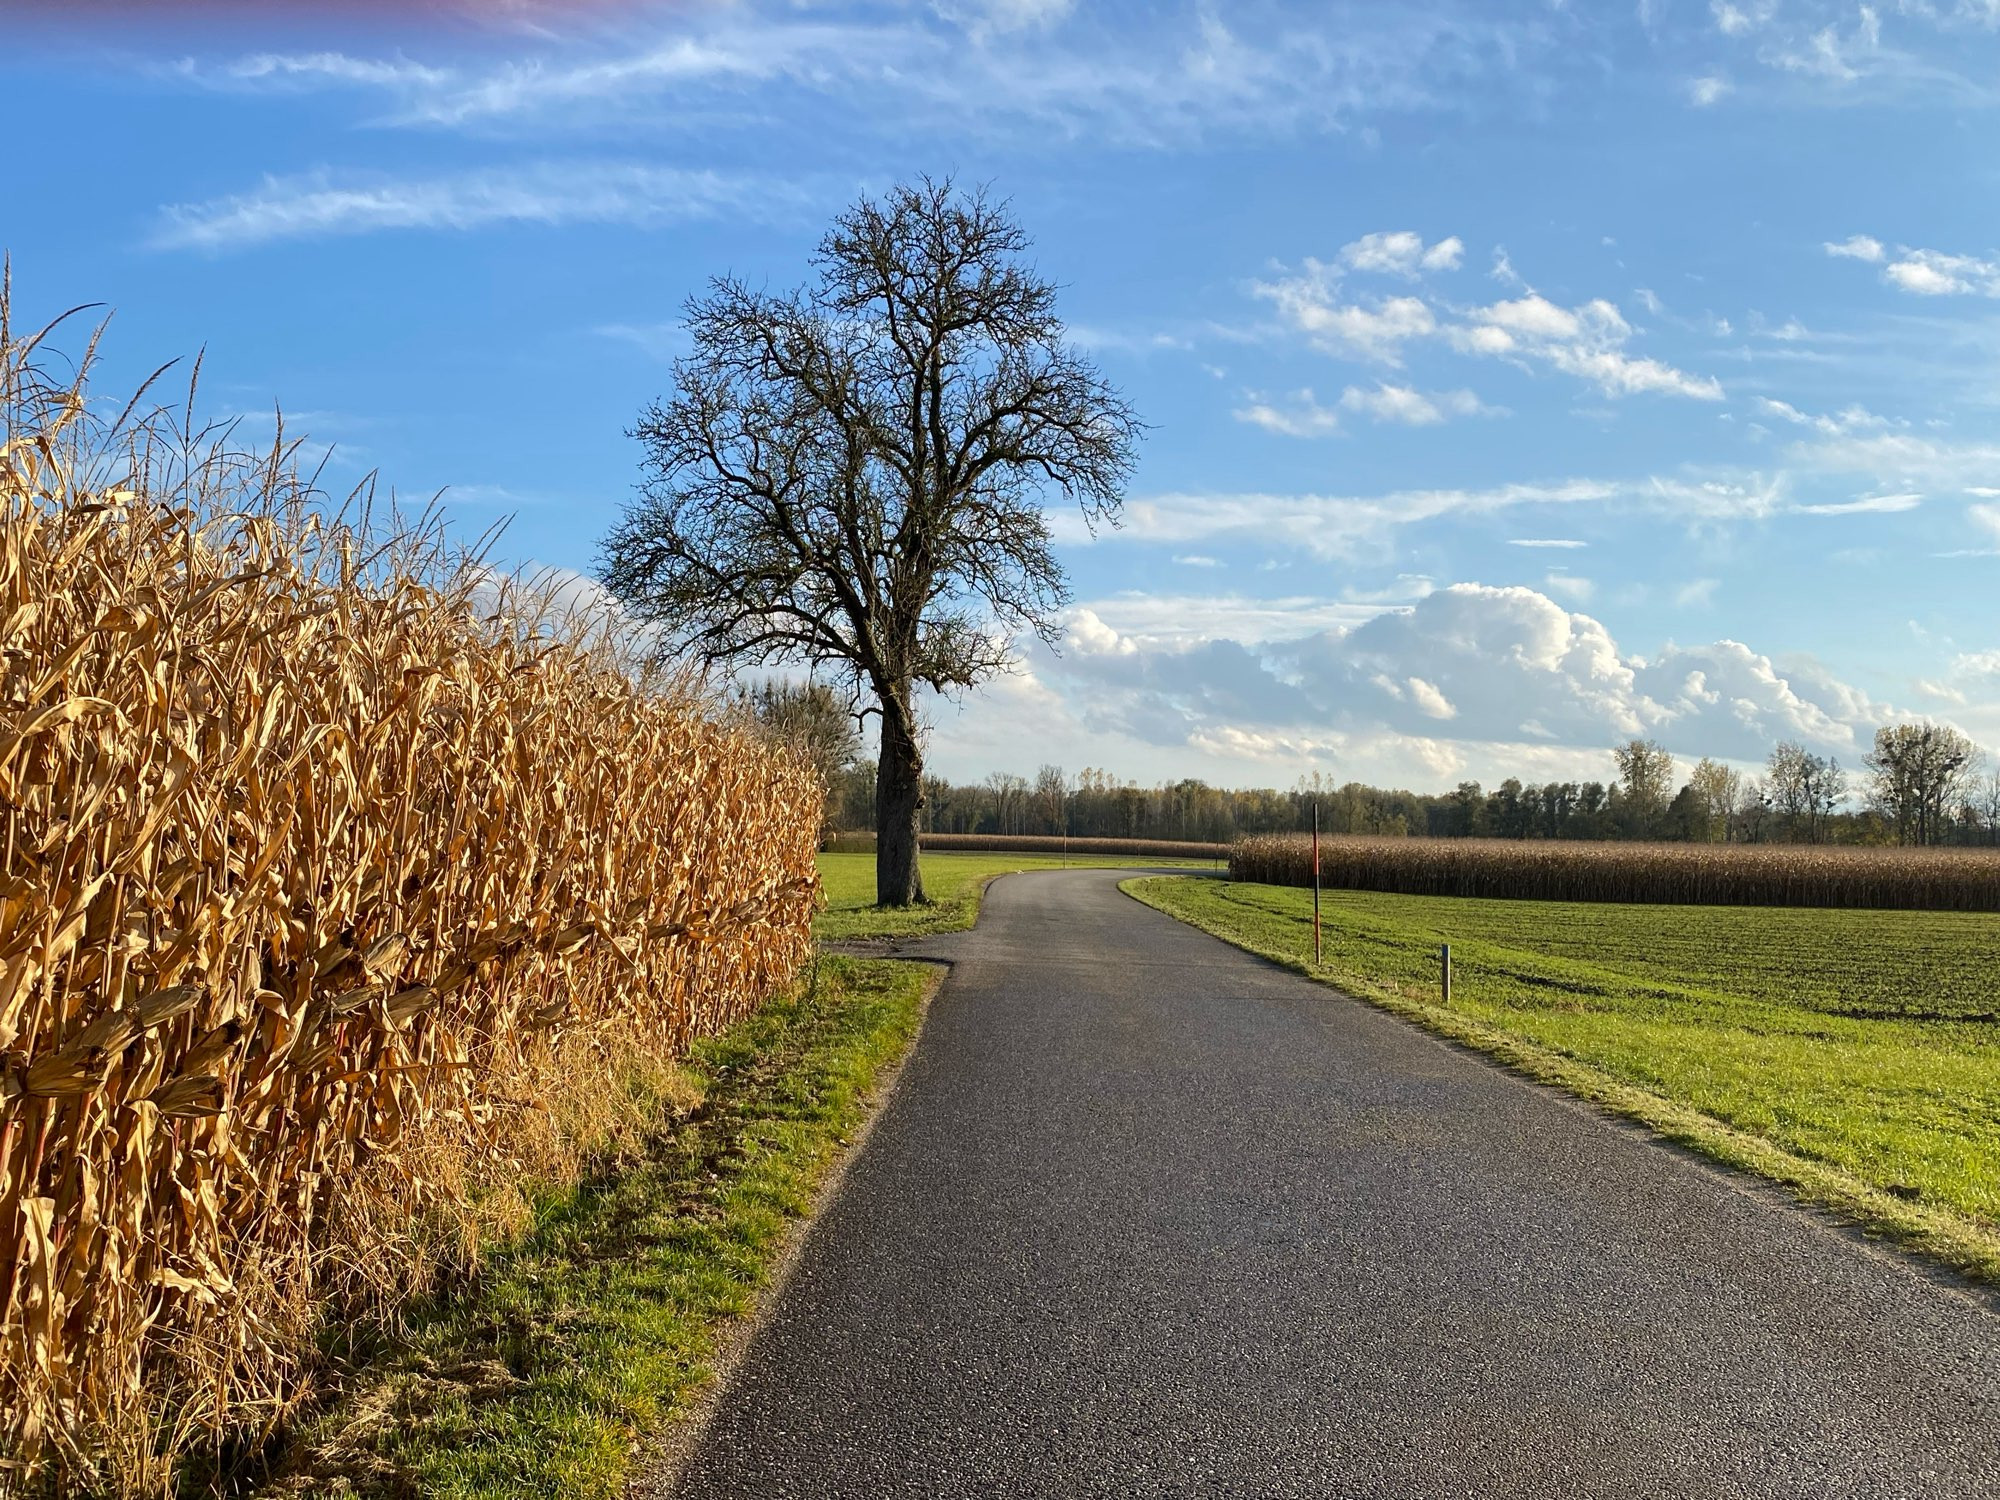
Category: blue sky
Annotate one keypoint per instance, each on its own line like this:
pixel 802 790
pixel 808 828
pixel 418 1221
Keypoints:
pixel 1521 377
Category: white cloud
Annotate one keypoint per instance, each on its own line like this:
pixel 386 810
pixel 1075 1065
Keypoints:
pixel 1429 701
pixel 1412 408
pixel 1401 252
pixel 1504 667
pixel 1856 247
pixel 1867 505
pixel 318 204
pixel 1926 273
pixel 1931 273
pixel 1310 301
pixel 1566 543
pixel 1198 560
pixel 1697 593
pixel 1738 20
pixel 1829 55
pixel 1301 416
pixel 1176 621
pixel 1088 635
pixel 1704 92
pixel 984 18
pixel 1586 341
pixel 1986 517
pixel 958 65
pixel 1899 459
pixel 313 68
pixel 1851 419
pixel 1325 526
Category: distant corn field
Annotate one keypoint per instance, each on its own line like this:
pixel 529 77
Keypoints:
pixel 1011 843
pixel 1684 874
pixel 326 874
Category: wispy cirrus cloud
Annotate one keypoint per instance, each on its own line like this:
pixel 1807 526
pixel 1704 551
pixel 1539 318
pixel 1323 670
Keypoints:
pixel 960 65
pixel 319 204
pixel 1326 526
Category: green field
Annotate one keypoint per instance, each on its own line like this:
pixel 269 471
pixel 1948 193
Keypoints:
pixel 955 883
pixel 1863 1045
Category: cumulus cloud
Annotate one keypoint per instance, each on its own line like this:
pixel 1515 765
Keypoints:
pixel 1498 666
pixel 1587 341
pixel 1706 91
pixel 1925 273
pixel 1402 252
pixel 1313 302
pixel 1932 273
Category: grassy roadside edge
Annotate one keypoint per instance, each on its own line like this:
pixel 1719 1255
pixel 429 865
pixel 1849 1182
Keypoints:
pixel 586 1357
pixel 1954 1240
pixel 668 1449
pixel 958 912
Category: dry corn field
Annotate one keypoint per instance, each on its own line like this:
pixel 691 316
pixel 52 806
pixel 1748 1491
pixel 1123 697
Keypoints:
pixel 327 880
pixel 1683 874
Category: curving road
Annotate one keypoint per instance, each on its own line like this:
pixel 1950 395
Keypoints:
pixel 1147 1216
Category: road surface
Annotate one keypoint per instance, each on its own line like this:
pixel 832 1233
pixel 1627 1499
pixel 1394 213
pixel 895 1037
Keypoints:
pixel 1148 1216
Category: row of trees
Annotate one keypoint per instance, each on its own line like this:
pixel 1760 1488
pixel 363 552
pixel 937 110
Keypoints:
pixel 1920 784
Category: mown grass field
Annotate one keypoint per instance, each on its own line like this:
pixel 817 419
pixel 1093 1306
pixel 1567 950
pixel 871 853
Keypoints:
pixel 1863 1042
pixel 955 883
pixel 576 1345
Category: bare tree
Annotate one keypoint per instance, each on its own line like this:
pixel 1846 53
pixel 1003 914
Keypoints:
pixel 1051 799
pixel 1010 795
pixel 854 473
pixel 1753 808
pixel 1804 789
pixel 1988 803
pixel 1919 773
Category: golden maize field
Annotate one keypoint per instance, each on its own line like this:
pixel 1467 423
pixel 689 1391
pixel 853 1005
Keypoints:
pixel 334 886
pixel 1678 874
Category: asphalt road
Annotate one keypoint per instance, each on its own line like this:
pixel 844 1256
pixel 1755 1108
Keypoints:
pixel 1147 1216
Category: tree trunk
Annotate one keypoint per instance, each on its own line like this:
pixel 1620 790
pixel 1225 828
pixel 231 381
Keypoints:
pixel 899 801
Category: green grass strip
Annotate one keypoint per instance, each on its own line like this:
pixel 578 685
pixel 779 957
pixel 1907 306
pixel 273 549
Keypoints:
pixel 955 882
pixel 1617 1018
pixel 554 1371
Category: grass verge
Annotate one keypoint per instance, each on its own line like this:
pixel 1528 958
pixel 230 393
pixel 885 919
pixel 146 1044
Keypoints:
pixel 956 883
pixel 575 1348
pixel 1890 1119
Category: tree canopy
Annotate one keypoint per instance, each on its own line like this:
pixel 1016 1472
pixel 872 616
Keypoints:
pixel 855 473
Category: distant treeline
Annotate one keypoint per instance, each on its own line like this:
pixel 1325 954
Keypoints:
pixel 1919 783
pixel 1801 798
